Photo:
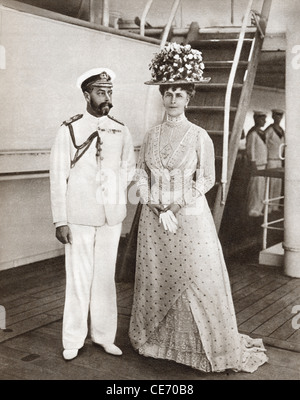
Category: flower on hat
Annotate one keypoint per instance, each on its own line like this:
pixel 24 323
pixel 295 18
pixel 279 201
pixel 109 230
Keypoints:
pixel 177 62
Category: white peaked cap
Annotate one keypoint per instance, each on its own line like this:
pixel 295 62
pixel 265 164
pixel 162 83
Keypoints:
pixel 95 72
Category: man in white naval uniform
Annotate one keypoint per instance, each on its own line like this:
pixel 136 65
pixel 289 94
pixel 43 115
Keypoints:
pixel 92 162
pixel 274 139
pixel 256 151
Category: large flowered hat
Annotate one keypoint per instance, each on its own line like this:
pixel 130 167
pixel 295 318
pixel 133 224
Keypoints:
pixel 177 64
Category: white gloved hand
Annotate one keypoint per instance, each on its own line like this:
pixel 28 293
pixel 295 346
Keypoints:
pixel 169 221
pixel 162 220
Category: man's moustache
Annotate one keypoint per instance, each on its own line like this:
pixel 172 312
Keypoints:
pixel 105 104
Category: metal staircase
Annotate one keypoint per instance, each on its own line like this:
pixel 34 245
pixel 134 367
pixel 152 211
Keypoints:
pixel 231 58
pixel 208 106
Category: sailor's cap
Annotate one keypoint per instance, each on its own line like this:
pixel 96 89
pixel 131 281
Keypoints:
pixel 97 77
pixel 259 114
pixel 277 111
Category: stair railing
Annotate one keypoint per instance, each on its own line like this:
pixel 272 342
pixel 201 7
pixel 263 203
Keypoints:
pixel 249 79
pixel 173 12
pixel 167 28
pixel 228 100
pixel 255 16
pixel 144 16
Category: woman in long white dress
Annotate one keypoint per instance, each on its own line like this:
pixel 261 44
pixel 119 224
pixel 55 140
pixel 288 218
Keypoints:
pixel 183 309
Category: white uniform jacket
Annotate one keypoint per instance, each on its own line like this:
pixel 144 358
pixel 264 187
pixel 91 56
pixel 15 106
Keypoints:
pixel 273 141
pixel 256 149
pixel 92 190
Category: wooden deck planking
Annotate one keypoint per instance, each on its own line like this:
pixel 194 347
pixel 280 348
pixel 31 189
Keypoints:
pixel 31 279
pixel 280 325
pixel 53 329
pixel 54 326
pixel 269 312
pixel 29 273
pixel 6 377
pixel 252 288
pixel 123 287
pixel 15 352
pixel 38 307
pixel 29 313
pixel 235 273
pixel 295 337
pixel 38 342
pixel 259 295
pixel 125 311
pixel 31 303
pixel 94 364
pixel 285 331
pixel 243 281
pixel 124 299
pixel 244 303
pixel 26 325
pixel 48 366
pixel 126 296
pixel 44 284
pixel 266 301
pixel 246 281
pixel 17 302
pixel 50 292
pixel 58 311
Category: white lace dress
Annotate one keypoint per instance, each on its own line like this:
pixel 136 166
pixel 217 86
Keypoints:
pixel 183 309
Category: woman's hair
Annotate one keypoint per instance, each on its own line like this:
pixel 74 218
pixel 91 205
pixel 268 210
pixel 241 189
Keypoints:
pixel 189 88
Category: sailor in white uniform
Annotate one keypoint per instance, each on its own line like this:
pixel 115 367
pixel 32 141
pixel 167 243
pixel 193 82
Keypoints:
pixel 92 162
pixel 275 138
pixel 256 151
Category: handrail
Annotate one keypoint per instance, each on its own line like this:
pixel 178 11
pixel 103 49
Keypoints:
pixel 169 24
pixel 266 224
pixel 167 28
pixel 144 16
pixel 255 15
pixel 228 100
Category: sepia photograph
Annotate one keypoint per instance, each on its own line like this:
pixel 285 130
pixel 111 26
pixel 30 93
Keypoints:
pixel 149 199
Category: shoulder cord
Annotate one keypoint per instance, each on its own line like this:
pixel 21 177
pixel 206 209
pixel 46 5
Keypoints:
pixel 84 146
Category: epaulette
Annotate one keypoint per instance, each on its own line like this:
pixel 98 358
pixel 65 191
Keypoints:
pixel 72 119
pixel 114 119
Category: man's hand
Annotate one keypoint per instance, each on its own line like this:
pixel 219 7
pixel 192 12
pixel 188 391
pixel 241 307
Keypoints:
pixel 64 234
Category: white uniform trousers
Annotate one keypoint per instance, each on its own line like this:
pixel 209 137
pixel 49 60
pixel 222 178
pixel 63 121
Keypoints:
pixel 275 185
pixel 256 195
pixel 90 285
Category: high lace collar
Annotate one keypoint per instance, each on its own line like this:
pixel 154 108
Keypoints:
pixel 176 120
